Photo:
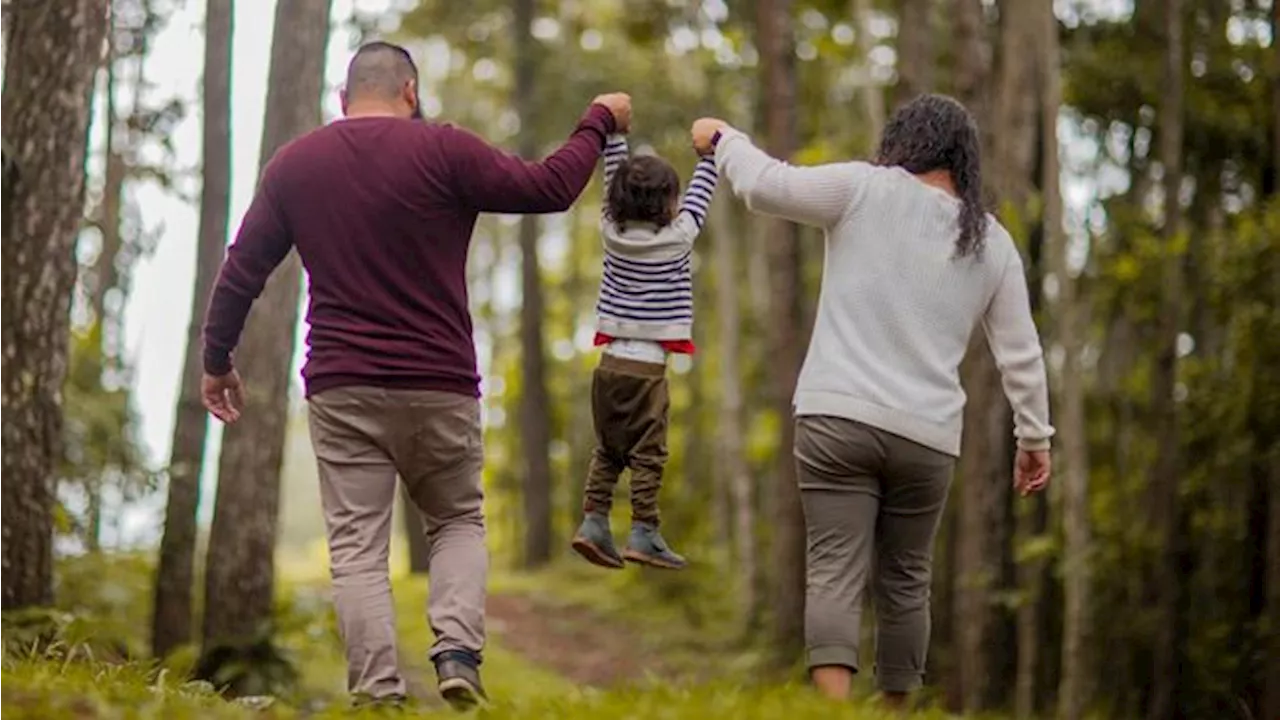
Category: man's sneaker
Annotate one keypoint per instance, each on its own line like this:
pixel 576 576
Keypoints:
pixel 458 674
pixel 594 541
pixel 647 547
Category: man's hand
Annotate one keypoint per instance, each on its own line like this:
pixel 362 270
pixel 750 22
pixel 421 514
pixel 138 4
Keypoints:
pixel 703 130
pixel 1031 471
pixel 223 395
pixel 618 103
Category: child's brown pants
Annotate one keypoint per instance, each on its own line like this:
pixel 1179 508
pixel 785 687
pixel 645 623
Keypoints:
pixel 629 405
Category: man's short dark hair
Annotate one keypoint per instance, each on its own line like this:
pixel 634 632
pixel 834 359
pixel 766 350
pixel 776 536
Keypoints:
pixel 380 70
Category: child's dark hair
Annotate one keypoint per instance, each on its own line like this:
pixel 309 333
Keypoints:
pixel 935 132
pixel 644 189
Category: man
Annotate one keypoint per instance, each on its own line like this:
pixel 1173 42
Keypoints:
pixel 381 208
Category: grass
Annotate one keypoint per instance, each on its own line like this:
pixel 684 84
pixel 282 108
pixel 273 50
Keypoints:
pixel 43 688
pixel 73 679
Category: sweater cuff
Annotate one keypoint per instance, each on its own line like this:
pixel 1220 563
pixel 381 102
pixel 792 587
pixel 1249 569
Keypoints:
pixel 216 363
pixel 1033 444
pixel 601 119
pixel 727 137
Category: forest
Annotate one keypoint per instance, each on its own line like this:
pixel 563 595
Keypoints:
pixel 1131 148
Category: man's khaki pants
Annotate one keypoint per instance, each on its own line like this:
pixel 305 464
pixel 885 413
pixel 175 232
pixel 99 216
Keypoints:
pixel 363 438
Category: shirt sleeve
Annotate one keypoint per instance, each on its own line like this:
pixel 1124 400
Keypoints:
pixel 1011 333
pixel 819 195
pixel 490 180
pixel 260 246
pixel 616 152
pixel 702 186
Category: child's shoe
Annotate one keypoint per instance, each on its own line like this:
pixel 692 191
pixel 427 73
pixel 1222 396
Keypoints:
pixel 646 546
pixel 594 541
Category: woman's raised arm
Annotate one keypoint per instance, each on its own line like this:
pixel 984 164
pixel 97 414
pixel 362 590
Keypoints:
pixel 819 195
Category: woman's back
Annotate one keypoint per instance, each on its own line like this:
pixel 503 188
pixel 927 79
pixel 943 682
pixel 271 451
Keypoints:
pixel 898 302
pixel 898 307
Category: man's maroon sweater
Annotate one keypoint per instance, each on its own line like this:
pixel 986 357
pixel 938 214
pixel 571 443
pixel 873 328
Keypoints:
pixel 381 211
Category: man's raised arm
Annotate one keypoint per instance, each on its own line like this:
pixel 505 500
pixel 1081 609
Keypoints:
pixel 490 180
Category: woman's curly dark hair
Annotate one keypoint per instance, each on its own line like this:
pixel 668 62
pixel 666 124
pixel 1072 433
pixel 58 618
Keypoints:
pixel 935 132
pixel 644 189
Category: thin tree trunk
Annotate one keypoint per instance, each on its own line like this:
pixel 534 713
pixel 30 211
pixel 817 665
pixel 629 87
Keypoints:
pixel 915 49
pixel 965 547
pixel 984 490
pixel 971 44
pixel 535 405
pixel 1167 467
pixel 53 54
pixel 1271 677
pixel 240 564
pixel 171 622
pixel 415 535
pixel 872 95
pixel 104 267
pixel 733 466
pixel 1271 680
pixel 773 38
pixel 1073 687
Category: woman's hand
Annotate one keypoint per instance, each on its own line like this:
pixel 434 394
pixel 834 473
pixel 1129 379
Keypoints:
pixel 704 131
pixel 1031 469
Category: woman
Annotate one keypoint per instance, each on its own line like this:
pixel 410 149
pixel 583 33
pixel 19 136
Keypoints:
pixel 913 264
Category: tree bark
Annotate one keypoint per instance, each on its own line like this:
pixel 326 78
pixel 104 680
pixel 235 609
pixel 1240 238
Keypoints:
pixel 773 39
pixel 415 535
pixel 1008 118
pixel 1271 677
pixel 971 53
pixel 1074 687
pixel 915 49
pixel 535 404
pixel 240 566
pixel 171 622
pixel 733 466
pixel 1167 467
pixel 965 531
pixel 1271 680
pixel 872 95
pixel 53 54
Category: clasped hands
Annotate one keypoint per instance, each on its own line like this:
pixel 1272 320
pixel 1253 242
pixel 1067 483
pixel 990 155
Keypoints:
pixel 703 131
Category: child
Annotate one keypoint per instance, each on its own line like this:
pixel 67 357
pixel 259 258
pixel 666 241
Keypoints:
pixel 645 312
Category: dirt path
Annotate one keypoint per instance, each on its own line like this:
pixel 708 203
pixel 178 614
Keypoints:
pixel 572 641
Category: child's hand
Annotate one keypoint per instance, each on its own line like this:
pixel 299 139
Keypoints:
pixel 703 131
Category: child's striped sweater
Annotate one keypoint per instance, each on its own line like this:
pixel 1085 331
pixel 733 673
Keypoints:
pixel 646 292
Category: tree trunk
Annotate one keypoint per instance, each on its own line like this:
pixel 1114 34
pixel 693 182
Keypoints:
pixel 240 565
pixel 733 466
pixel 104 275
pixel 1271 676
pixel 773 39
pixel 984 491
pixel 872 95
pixel 965 531
pixel 1074 687
pixel 1167 467
pixel 53 54
pixel 915 49
pixel 535 405
pixel 1271 679
pixel 415 536
pixel 971 45
pixel 171 622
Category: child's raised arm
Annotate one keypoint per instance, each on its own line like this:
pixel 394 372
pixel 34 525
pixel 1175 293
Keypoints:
pixel 697 198
pixel 615 153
